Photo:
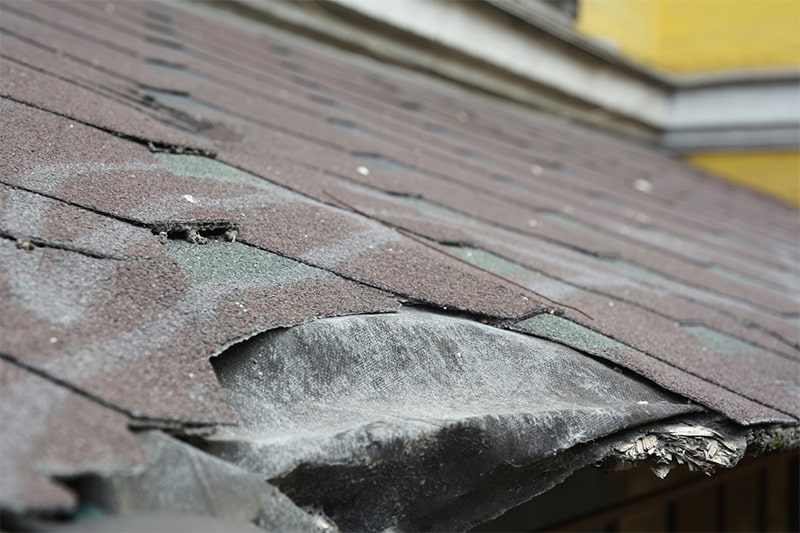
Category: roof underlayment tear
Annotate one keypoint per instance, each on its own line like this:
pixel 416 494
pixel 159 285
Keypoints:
pixel 391 400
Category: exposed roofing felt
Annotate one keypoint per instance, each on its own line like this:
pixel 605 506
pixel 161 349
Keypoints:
pixel 173 183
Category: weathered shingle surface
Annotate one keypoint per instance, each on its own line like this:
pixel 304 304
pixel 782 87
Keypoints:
pixel 132 131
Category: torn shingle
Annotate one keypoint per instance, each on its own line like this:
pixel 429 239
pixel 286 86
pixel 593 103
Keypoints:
pixel 56 433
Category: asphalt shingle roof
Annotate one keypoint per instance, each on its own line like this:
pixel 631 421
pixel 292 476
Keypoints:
pixel 133 131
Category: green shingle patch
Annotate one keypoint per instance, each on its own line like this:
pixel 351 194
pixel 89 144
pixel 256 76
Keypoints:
pixel 204 167
pixel 233 262
pixel 488 260
pixel 721 342
pixel 567 332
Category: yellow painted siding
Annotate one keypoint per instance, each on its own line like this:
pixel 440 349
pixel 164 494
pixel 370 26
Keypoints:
pixel 700 35
pixel 684 36
pixel 773 172
pixel 630 27
pixel 697 35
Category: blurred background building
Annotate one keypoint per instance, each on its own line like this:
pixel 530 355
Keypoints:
pixel 753 43
pixel 714 81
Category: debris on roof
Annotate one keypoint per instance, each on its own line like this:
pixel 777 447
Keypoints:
pixel 354 282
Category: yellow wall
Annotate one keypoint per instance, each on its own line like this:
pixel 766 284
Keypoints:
pixel 630 26
pixel 773 172
pixel 697 35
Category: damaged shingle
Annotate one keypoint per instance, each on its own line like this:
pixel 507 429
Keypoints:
pixel 702 447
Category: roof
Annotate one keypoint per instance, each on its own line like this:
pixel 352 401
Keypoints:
pixel 174 184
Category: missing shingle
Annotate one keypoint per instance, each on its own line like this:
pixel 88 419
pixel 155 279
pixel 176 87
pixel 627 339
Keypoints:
pixel 195 232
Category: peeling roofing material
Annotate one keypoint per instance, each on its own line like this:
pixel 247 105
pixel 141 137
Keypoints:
pixel 329 273
pixel 417 389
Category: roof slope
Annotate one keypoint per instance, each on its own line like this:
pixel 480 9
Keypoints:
pixel 172 184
